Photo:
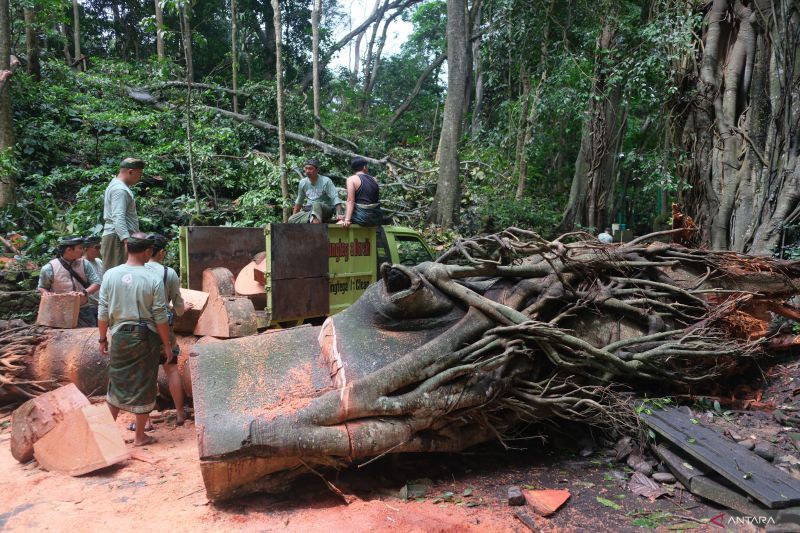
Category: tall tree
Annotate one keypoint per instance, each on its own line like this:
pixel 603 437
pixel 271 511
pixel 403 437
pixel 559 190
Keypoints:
pixel 159 30
pixel 315 19
pixel 448 188
pixel 281 114
pixel 234 57
pixel 7 179
pixel 596 166
pixel 32 43
pixel 185 10
pixel 76 32
pixel 743 132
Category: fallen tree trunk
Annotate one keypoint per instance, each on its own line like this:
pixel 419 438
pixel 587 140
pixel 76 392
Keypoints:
pixel 35 359
pixel 505 332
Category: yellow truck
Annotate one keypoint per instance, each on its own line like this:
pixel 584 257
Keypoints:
pixel 311 270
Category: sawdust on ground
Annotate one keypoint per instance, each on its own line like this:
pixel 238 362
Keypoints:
pixel 162 487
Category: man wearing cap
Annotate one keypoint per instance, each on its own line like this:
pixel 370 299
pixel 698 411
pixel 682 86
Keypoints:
pixel 119 212
pixel 172 286
pixel 363 197
pixel 70 272
pixel 134 311
pixel 91 253
pixel 316 197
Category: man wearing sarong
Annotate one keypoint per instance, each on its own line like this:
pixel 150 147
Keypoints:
pixel 70 272
pixel 316 197
pixel 175 307
pixel 91 253
pixel 134 311
pixel 363 197
pixel 119 212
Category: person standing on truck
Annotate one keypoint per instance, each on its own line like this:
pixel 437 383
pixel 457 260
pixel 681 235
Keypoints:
pixel 133 309
pixel 176 307
pixel 363 197
pixel 91 252
pixel 316 197
pixel 70 272
pixel 119 212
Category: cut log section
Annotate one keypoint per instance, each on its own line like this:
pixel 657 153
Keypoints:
pixel 246 285
pixel 227 318
pixel 59 310
pixel 218 282
pixel 260 272
pixel 188 320
pixel 35 418
pixel 86 440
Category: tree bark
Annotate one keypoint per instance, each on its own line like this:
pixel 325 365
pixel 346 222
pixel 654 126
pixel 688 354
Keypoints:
pixel 32 44
pixel 234 57
pixel 186 35
pixel 76 31
pixel 62 30
pixel 159 30
pixel 7 180
pixel 596 165
pixel 281 117
pixel 520 165
pixel 315 16
pixel 477 69
pixel 444 210
pixel 743 130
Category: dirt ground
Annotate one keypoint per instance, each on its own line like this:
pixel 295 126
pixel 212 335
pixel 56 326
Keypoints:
pixel 162 486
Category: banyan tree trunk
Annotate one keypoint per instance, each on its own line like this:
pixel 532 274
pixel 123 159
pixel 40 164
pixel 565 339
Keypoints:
pixel 743 134
pixel 504 332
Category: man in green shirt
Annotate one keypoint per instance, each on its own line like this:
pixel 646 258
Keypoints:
pixel 317 198
pixel 133 309
pixel 70 272
pixel 172 286
pixel 119 212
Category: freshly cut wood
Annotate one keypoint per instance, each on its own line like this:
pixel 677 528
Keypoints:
pixel 260 272
pixel 35 418
pixel 246 282
pixel 228 318
pixel 188 320
pixel 218 282
pixel 59 310
pixel 546 502
pixel 86 440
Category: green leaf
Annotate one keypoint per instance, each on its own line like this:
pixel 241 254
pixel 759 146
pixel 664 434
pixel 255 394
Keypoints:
pixel 468 492
pixel 691 440
pixel 608 503
pixel 694 421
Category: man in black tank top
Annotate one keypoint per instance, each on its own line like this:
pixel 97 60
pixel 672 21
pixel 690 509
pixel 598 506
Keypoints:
pixel 363 197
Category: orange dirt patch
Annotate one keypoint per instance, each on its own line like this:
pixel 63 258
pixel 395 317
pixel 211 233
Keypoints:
pixel 161 485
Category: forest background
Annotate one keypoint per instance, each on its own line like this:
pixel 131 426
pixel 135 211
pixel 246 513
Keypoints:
pixel 550 115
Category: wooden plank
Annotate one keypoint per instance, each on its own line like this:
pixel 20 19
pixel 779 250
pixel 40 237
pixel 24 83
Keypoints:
pixel 744 469
pixel 210 247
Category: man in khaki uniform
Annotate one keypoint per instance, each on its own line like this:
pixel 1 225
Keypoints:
pixel 70 272
pixel 119 212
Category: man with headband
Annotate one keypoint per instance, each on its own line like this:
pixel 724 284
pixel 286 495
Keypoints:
pixel 316 197
pixel 134 311
pixel 176 307
pixel 70 272
pixel 91 253
pixel 119 212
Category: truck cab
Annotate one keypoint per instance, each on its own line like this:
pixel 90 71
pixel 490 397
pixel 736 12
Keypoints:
pixel 309 271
